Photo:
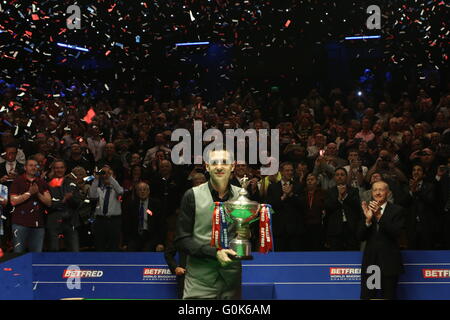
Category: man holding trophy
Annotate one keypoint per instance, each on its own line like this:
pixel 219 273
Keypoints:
pixel 212 214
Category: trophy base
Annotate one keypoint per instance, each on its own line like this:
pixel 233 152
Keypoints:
pixel 242 258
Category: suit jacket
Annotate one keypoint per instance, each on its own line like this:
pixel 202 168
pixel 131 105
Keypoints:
pixel 169 255
pixel 155 222
pixel 423 206
pixel 382 246
pixel 443 190
pixel 287 216
pixel 312 215
pixel 333 209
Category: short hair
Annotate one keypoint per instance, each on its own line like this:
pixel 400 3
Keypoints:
pixel 58 160
pixel 79 169
pixel 11 145
pixel 341 168
pixel 286 163
pixel 30 159
pixel 418 164
pixel 142 183
pixel 384 182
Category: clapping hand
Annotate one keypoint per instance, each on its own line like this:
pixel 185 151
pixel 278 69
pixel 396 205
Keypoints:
pixel 376 209
pixel 367 212
pixel 33 189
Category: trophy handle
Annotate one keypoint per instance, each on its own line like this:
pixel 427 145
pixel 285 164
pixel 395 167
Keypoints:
pixel 253 217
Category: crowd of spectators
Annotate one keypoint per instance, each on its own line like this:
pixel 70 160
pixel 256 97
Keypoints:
pixel 97 174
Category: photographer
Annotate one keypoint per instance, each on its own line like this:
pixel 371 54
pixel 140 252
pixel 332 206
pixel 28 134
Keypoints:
pixel 63 216
pixel 107 225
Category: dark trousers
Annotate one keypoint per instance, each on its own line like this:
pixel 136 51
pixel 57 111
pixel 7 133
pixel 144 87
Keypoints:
pixel 420 239
pixel 312 239
pixel 286 242
pixel 107 232
pixel 56 227
pixel 180 286
pixel 388 290
pixel 141 242
pixel 446 230
pixel 344 241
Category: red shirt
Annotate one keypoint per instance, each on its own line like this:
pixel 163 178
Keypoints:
pixel 29 213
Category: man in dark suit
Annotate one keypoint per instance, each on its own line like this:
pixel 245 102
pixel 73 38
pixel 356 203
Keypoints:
pixel 422 218
pixel 442 182
pixel 284 196
pixel 381 228
pixel 342 214
pixel 143 222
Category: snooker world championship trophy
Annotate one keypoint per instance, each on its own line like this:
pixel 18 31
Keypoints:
pixel 241 212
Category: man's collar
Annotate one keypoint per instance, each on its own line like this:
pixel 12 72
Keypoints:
pixel 214 191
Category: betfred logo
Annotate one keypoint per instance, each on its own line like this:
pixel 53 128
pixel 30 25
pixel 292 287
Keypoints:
pixel 344 271
pixel 82 273
pixel 436 273
pixel 156 271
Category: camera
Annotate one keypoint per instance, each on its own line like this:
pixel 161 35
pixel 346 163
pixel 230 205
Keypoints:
pixel 101 172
